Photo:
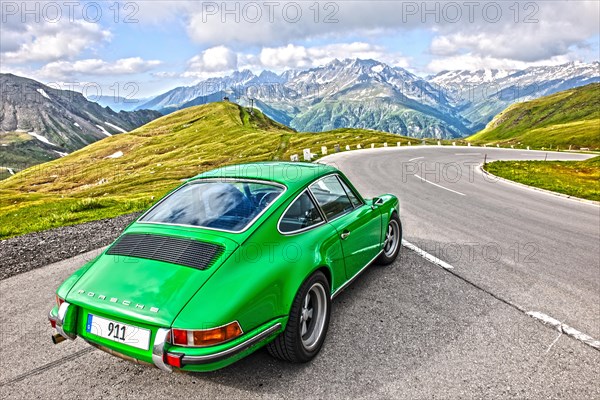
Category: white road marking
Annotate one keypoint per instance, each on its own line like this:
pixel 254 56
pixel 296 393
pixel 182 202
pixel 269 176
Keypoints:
pixel 416 158
pixel 440 186
pixel 543 318
pixel 566 329
pixel 426 255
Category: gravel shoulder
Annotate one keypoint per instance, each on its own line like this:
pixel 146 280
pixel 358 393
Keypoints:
pixel 34 250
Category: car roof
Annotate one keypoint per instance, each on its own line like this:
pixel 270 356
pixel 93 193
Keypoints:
pixel 294 175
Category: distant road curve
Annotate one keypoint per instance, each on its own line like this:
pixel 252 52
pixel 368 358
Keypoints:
pixel 538 251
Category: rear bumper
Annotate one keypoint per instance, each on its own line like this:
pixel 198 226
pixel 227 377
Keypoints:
pixel 57 320
pixel 165 356
pixel 225 354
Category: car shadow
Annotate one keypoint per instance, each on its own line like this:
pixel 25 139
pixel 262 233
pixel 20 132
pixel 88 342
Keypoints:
pixel 259 372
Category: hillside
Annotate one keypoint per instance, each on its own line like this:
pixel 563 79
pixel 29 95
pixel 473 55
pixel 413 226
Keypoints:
pixel 573 178
pixel 39 123
pixel 127 172
pixel 566 119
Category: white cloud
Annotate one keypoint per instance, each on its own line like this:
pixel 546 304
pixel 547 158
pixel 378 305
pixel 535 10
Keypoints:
pixel 45 42
pixel 220 60
pixel 280 38
pixel 292 56
pixel 289 56
pixel 276 23
pixel 479 33
pixel 475 62
pixel 525 30
pixel 214 59
pixel 541 33
pixel 97 67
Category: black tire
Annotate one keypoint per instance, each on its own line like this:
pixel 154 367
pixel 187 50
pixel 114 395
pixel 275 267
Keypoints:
pixel 291 345
pixel 389 256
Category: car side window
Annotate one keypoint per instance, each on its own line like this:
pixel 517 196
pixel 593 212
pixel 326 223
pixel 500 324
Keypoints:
pixel 331 196
pixel 353 197
pixel 301 214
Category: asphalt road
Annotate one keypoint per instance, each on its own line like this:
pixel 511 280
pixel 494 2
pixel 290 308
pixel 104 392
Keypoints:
pixel 411 330
pixel 539 251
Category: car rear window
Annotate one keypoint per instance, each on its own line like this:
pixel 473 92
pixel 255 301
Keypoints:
pixel 228 206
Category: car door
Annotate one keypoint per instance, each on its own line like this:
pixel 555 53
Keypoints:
pixel 303 223
pixel 358 225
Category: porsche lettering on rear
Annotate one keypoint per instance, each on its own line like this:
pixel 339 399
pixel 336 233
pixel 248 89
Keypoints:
pixel 116 300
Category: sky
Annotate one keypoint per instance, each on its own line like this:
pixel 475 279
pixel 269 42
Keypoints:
pixel 142 48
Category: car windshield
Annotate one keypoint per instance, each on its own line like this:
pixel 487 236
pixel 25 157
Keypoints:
pixel 228 206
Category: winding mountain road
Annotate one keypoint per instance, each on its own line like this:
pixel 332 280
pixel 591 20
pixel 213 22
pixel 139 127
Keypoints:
pixel 412 330
pixel 538 251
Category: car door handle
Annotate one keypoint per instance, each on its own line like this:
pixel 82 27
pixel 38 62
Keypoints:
pixel 344 235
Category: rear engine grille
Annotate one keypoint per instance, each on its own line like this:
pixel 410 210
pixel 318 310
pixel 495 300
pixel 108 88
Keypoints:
pixel 187 252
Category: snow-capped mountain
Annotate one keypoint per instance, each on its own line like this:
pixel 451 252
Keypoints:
pixel 39 123
pixel 364 94
pixel 348 93
pixel 480 95
pixel 370 94
pixel 174 98
pixel 463 77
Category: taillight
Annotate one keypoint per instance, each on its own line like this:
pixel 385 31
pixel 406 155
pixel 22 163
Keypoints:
pixel 179 337
pixel 206 337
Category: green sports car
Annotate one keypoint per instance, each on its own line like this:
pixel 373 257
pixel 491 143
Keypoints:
pixel 234 259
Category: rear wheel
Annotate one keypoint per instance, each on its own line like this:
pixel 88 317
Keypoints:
pixel 307 324
pixel 392 242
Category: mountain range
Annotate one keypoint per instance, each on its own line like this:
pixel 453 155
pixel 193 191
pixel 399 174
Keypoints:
pixel 39 123
pixel 372 95
pixel 480 95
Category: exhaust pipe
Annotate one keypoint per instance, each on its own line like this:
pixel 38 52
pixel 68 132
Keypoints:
pixel 57 338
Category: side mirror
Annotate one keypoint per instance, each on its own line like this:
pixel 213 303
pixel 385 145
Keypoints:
pixel 377 201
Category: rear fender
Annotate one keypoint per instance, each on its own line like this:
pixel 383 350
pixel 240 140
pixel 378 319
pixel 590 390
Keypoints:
pixel 387 204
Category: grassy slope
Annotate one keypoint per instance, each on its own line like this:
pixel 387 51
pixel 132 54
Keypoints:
pixel 569 118
pixel 19 150
pixel 86 185
pixel 574 178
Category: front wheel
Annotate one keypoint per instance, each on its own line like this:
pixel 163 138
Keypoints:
pixel 392 242
pixel 308 322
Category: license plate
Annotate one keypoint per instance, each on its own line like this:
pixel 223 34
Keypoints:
pixel 118 332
